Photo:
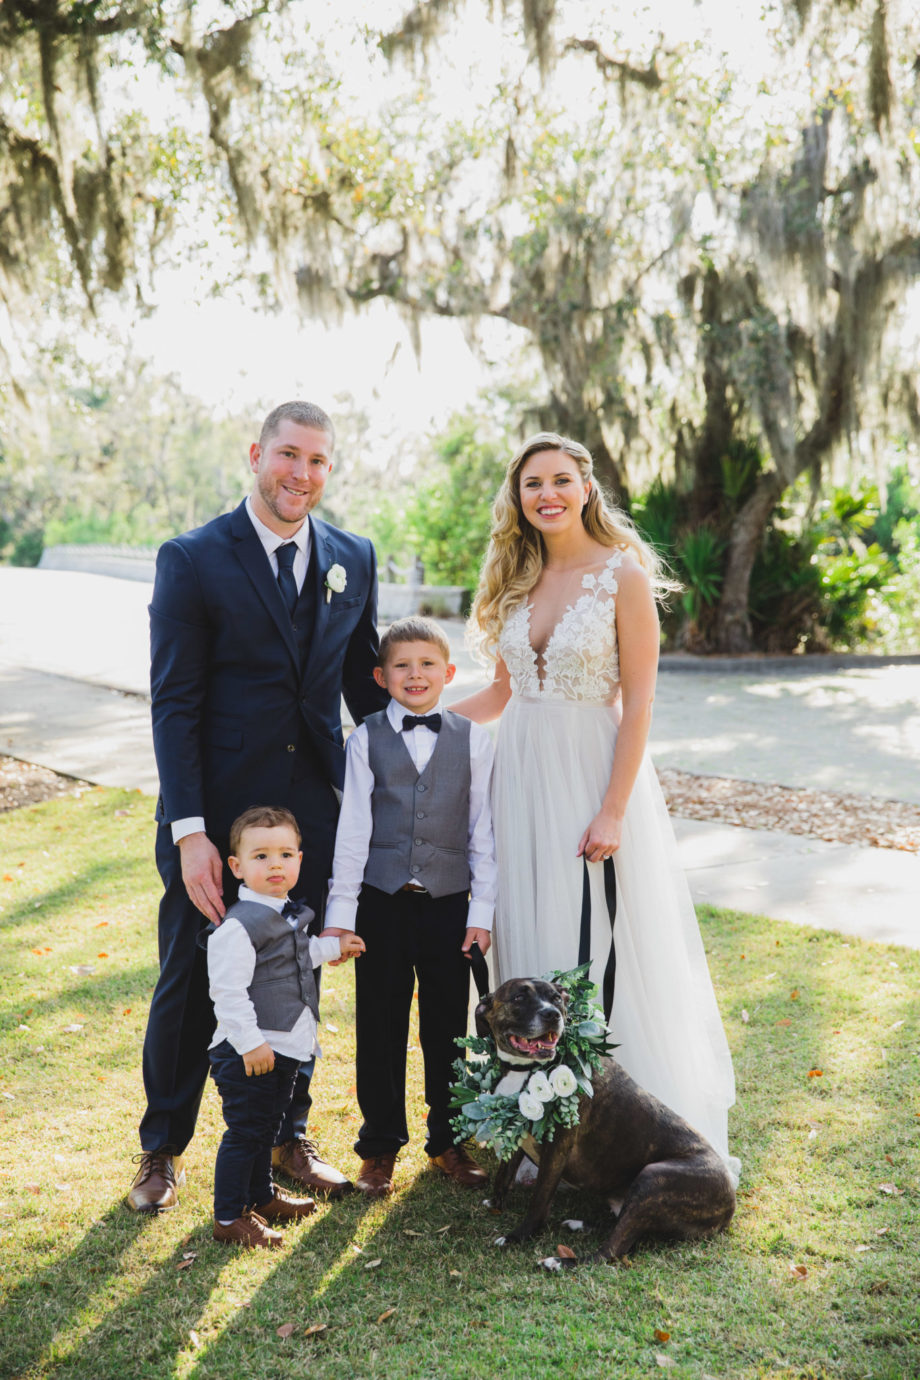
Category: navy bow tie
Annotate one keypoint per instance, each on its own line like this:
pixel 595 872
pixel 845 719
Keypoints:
pixel 432 721
pixel 290 908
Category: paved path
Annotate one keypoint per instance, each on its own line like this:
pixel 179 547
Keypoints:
pixel 71 645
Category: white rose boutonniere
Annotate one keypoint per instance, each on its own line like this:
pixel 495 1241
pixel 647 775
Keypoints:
pixel 336 580
pixel 562 1081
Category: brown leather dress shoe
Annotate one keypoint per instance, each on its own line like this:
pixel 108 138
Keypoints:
pixel 300 1160
pixel 460 1166
pixel 281 1208
pixel 375 1179
pixel 250 1230
pixel 159 1177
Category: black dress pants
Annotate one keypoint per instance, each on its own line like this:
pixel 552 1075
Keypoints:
pixel 408 935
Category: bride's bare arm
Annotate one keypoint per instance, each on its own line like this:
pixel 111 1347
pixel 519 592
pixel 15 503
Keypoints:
pixel 638 641
pixel 486 705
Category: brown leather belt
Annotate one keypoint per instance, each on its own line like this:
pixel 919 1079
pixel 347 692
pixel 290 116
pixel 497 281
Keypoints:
pixel 416 887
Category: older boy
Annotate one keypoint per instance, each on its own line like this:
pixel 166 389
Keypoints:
pixel 260 967
pixel 414 874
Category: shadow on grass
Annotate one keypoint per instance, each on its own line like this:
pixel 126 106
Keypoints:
pixel 96 994
pixel 44 1305
pixel 73 891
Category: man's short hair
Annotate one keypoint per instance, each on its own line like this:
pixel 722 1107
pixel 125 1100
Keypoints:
pixel 302 414
pixel 260 817
pixel 412 630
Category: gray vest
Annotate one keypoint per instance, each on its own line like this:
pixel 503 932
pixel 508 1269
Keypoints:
pixel 421 821
pixel 283 983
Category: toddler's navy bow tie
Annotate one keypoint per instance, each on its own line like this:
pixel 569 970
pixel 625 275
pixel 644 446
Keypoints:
pixel 432 721
pixel 290 908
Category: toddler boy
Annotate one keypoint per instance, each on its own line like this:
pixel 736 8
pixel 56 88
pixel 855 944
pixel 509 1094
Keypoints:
pixel 260 968
pixel 414 875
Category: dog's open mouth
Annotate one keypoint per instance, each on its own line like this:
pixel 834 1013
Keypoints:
pixel 543 1047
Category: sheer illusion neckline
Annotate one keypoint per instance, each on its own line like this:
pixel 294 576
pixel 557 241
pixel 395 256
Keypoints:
pixel 588 583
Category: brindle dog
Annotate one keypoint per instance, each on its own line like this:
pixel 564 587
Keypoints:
pixel 627 1147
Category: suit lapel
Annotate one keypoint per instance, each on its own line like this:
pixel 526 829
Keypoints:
pixel 250 552
pixel 325 557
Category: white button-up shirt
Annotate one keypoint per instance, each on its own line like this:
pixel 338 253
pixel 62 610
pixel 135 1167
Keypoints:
pixel 231 964
pixel 352 840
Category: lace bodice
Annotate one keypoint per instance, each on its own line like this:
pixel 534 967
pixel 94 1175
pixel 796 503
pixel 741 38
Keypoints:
pixel 580 660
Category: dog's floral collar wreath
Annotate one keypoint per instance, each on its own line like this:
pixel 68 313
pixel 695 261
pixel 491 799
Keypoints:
pixel 499 1109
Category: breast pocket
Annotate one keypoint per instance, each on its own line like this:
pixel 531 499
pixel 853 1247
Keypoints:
pixel 340 606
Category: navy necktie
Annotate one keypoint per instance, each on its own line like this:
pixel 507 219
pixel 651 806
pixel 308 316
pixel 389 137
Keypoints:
pixel 432 721
pixel 286 582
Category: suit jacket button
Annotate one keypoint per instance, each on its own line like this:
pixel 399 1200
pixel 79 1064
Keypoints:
pixel 291 747
pixel 416 867
pixel 420 814
pixel 420 787
pixel 418 842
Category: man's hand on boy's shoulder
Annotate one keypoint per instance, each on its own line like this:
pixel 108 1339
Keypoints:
pixel 474 935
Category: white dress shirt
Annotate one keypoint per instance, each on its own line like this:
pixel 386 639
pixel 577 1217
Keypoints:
pixel 352 840
pixel 270 540
pixel 231 964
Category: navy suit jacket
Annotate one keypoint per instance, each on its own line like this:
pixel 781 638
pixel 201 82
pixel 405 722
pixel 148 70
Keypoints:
pixel 236 720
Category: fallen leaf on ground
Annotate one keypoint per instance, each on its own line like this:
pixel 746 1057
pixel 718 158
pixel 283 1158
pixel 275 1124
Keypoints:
pixel 455 1274
pixel 372 1264
pixel 441 1230
pixel 102 955
pixel 815 1073
pixel 744 1017
pixel 315 1329
pixel 784 1021
pixel 185 1262
pixel 665 1362
pixel 798 1271
pixel 860 1249
pixel 662 1336
pixel 565 1253
pixel 186 1255
pixel 82 969
pixel 72 1029
pixel 333 1028
pixel 891 1189
pixel 387 1313
pixel 882 1231
pixel 194 1339
pixel 407 1231
pixel 285 1330
pixel 794 994
pixel 100 924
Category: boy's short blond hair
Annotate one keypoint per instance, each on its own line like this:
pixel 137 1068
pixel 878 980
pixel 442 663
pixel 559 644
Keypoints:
pixel 413 630
pixel 261 817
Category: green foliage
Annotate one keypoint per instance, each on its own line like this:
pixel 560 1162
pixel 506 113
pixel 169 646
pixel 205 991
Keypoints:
pixel 700 554
pixel 448 513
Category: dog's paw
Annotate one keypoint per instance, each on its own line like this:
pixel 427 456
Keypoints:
pixel 573 1224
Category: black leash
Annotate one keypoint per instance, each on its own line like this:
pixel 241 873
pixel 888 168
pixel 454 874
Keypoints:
pixel 584 938
pixel 480 970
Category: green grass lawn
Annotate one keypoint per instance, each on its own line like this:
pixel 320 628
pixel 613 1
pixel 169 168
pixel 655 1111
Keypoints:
pixel 818 1275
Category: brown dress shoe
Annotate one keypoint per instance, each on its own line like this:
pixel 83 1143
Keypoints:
pixel 460 1166
pixel 281 1208
pixel 376 1177
pixel 300 1160
pixel 157 1181
pixel 250 1230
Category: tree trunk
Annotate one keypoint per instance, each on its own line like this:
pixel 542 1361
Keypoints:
pixel 733 625
pixel 719 421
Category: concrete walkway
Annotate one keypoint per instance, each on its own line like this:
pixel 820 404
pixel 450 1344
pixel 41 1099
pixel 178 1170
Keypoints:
pixel 73 685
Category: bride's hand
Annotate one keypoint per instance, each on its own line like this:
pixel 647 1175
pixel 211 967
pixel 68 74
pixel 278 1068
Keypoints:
pixel 601 839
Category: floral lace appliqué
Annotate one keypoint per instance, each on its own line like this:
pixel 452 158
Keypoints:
pixel 580 661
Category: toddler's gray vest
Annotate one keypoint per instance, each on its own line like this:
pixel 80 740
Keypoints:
pixel 421 820
pixel 283 983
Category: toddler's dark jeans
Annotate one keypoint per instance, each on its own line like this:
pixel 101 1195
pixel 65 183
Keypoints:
pixel 253 1108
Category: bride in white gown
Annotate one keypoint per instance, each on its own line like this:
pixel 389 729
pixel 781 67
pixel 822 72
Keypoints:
pixel 566 606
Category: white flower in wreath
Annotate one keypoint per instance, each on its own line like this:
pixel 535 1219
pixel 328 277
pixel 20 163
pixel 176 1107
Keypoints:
pixel 530 1107
pixel 336 580
pixel 539 1087
pixel 562 1081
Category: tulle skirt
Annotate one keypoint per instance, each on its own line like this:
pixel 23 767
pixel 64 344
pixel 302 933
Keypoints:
pixel 552 767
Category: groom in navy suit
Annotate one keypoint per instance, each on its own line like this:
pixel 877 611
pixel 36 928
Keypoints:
pixel 260 621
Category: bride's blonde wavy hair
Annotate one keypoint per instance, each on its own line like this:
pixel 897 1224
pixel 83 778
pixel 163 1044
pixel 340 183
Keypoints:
pixel 517 553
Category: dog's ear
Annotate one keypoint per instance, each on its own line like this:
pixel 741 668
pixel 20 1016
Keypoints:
pixel 483 1009
pixel 563 996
